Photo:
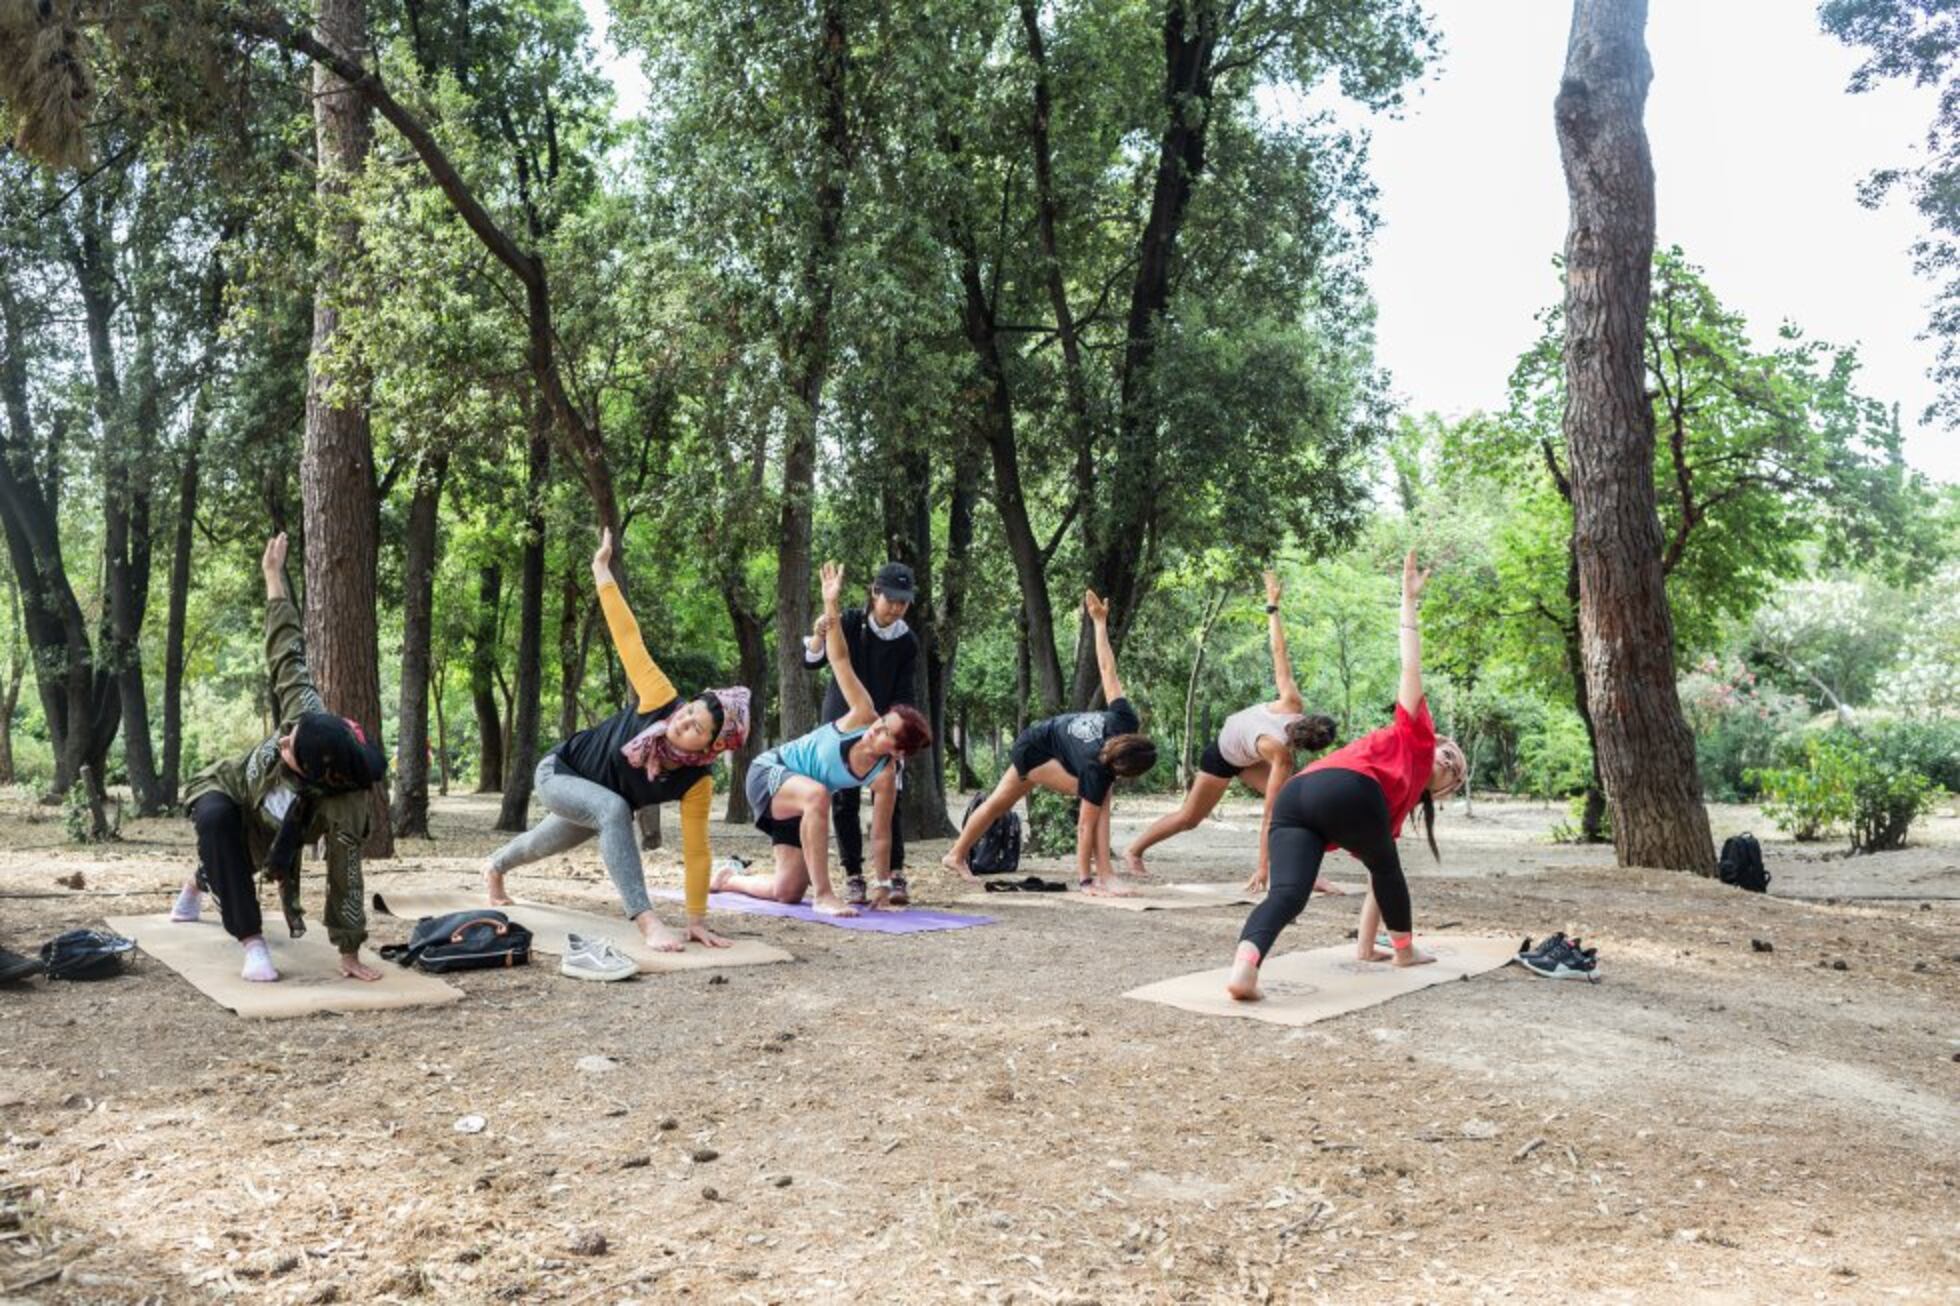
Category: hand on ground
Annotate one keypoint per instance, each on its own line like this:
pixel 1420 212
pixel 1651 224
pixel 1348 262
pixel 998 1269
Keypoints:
pixel 698 932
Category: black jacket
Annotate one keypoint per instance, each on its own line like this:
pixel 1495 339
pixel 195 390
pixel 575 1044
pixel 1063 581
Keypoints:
pixel 886 666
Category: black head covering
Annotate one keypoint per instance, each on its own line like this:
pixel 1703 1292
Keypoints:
pixel 334 757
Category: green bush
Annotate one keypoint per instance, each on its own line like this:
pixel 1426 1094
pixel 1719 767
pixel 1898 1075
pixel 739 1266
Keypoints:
pixel 1554 760
pixel 1865 783
pixel 1051 824
pixel 1930 747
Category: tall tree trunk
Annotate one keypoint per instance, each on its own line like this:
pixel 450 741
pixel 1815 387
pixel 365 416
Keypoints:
pixel 1119 516
pixel 997 421
pixel 78 699
pixel 16 672
pixel 571 655
pixel 523 759
pixel 952 609
pixel 182 544
pixel 483 680
pixel 437 677
pixel 1646 753
pixel 908 536
pixel 339 498
pixel 807 357
pixel 410 811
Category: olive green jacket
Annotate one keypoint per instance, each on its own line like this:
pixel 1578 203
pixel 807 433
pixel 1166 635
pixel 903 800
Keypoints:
pixel 263 785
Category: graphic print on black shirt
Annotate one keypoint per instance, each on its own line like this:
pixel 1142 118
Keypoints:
pixel 599 755
pixel 1075 739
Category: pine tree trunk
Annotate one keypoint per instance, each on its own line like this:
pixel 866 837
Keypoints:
pixel 339 499
pixel 483 680
pixel 807 357
pixel 571 659
pixel 1646 753
pixel 436 678
pixel 183 543
pixel 410 811
pixel 515 813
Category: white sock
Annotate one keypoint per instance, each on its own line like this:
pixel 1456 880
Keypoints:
pixel 258 963
pixel 189 903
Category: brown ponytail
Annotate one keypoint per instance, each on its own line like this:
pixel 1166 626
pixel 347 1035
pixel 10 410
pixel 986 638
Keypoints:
pixel 1129 755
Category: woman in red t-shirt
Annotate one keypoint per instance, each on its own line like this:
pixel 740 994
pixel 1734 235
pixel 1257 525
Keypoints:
pixel 1357 798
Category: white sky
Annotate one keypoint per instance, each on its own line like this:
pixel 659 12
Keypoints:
pixel 1758 152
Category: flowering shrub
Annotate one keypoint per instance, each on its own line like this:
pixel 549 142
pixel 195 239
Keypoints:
pixel 1740 725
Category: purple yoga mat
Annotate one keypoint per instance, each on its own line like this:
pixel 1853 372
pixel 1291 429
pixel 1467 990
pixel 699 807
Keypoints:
pixel 907 920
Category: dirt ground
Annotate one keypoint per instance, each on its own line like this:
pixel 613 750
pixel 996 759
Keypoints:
pixel 979 1116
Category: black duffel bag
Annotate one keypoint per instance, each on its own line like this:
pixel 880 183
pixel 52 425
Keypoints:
pixel 463 940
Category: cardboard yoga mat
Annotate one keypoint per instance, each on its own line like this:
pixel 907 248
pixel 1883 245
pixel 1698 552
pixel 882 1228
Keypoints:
pixel 549 925
pixel 309 971
pixel 1303 987
pixel 1149 896
pixel 895 920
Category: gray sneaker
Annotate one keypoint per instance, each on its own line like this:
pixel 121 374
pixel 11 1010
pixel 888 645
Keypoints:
pixel 595 959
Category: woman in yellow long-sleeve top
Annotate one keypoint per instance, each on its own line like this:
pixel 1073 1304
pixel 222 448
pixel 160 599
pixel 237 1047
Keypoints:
pixel 659 749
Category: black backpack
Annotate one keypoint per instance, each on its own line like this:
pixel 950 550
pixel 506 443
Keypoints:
pixel 1741 863
pixel 463 940
pixel 997 851
pixel 85 955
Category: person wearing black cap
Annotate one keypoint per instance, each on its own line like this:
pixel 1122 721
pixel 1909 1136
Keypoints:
pixel 884 653
pixel 308 782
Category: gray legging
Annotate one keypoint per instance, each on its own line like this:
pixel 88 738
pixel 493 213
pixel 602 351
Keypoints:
pixel 580 809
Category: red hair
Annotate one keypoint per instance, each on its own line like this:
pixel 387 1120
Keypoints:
pixel 914 733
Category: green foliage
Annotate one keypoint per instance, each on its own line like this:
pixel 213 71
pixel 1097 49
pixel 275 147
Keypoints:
pixel 1848 781
pixel 1740 723
pixel 1554 760
pixel 1052 819
pixel 1930 746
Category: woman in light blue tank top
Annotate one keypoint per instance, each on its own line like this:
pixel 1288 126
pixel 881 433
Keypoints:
pixel 789 787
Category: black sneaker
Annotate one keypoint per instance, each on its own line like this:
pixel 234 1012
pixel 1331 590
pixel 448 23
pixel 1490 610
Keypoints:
pixel 13 967
pixel 854 892
pixel 1558 958
pixel 1527 949
pixel 901 891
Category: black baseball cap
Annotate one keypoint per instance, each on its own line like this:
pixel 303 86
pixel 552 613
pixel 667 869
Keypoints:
pixel 894 581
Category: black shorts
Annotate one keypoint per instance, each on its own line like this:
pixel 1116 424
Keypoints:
pixel 1212 762
pixel 784 832
pixel 1028 754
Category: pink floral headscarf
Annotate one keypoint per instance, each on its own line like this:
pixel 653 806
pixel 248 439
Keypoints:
pixel 650 748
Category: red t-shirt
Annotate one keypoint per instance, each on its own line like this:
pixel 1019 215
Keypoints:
pixel 1397 757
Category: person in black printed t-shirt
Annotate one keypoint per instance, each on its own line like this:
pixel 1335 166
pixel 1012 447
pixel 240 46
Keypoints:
pixel 884 653
pixel 1081 754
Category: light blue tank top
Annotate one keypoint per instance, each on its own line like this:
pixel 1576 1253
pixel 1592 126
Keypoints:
pixel 819 755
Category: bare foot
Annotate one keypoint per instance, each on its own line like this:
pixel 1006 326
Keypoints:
pixel 1332 890
pixel 1243 986
pixel 1108 889
pixel 1412 956
pixel 658 935
pixel 1369 952
pixel 699 933
pixel 958 864
pixel 723 874
pixel 829 904
pixel 493 881
pixel 1133 865
pixel 353 967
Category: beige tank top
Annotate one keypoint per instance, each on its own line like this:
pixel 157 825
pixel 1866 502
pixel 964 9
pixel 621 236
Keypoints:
pixel 1238 738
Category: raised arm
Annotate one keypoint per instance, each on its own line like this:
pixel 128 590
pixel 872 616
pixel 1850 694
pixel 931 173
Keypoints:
pixel 1098 610
pixel 1410 696
pixel 1289 689
pixel 293 692
pixel 862 712
pixel 649 682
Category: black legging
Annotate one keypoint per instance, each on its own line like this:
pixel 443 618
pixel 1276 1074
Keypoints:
pixel 227 863
pixel 1317 808
pixel 850 838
